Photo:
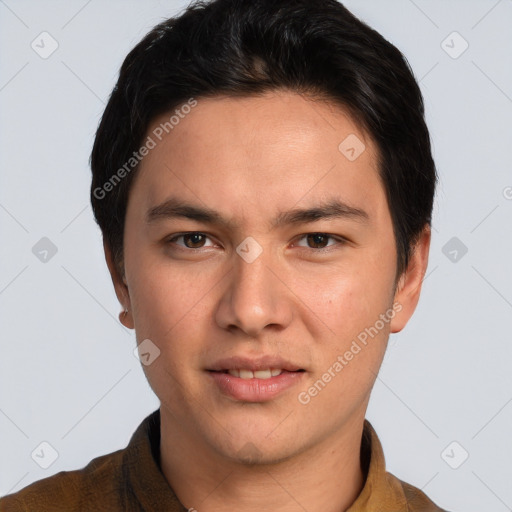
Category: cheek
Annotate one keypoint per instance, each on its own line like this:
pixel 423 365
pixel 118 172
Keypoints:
pixel 350 302
pixel 163 294
pixel 169 307
pixel 349 353
pixel 348 298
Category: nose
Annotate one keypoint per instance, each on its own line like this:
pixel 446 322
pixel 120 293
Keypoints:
pixel 255 299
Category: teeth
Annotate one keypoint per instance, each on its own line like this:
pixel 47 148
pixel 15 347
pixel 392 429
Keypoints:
pixel 258 374
pixel 263 374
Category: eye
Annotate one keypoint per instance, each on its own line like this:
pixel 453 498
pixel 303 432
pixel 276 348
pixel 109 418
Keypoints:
pixel 191 240
pixel 197 240
pixel 319 240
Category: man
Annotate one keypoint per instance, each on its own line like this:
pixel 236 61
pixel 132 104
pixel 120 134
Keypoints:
pixel 263 179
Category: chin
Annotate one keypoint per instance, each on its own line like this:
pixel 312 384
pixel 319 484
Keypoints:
pixel 251 454
pixel 252 446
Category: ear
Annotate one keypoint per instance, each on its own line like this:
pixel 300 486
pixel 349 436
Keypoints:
pixel 120 287
pixel 408 290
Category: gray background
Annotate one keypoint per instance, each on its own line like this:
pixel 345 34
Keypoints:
pixel 68 375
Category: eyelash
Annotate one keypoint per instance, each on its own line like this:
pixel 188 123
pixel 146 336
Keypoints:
pixel 340 240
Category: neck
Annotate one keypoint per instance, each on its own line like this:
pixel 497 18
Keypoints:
pixel 325 477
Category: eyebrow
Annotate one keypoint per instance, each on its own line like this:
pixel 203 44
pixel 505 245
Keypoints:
pixel 331 209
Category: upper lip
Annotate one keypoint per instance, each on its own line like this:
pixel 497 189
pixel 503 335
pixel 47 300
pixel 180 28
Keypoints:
pixel 253 364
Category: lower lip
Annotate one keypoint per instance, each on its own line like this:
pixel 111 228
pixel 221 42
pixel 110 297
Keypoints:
pixel 255 390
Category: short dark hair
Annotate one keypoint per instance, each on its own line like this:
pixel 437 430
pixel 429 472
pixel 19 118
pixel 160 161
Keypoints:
pixel 249 47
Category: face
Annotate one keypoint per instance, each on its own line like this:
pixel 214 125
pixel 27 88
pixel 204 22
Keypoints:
pixel 258 252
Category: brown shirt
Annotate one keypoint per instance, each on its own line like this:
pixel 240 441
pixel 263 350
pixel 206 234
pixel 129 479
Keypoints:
pixel 131 480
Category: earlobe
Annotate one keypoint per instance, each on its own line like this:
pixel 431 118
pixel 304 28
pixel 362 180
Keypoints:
pixel 409 285
pixel 120 287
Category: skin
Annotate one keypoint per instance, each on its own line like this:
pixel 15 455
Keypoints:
pixel 250 158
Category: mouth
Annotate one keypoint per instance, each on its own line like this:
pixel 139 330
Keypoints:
pixel 254 379
pixel 244 379
pixel 263 374
pixel 246 367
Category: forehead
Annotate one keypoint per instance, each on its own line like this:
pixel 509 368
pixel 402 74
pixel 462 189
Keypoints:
pixel 256 153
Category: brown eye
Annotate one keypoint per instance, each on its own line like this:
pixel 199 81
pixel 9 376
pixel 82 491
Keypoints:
pixel 318 240
pixel 192 240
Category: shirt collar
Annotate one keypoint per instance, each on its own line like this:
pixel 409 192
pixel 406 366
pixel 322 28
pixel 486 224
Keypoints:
pixel 381 491
pixel 141 465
